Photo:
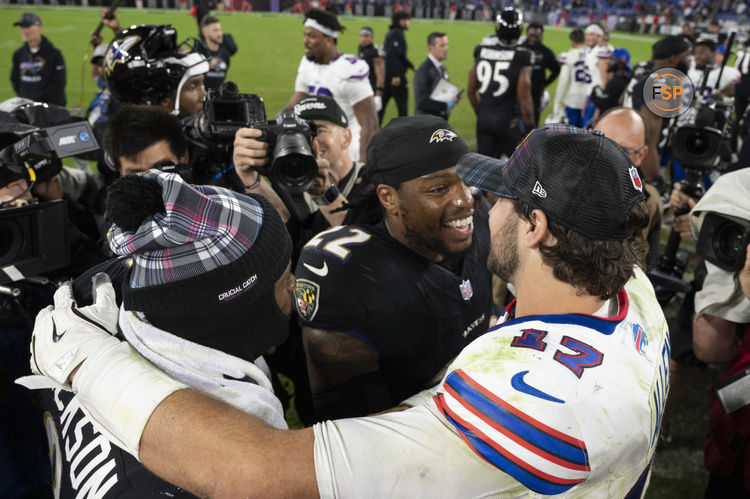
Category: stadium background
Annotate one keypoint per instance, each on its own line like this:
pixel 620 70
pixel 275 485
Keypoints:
pixel 270 47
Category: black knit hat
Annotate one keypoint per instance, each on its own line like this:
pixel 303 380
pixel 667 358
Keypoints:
pixel 580 180
pixel 320 107
pixel 668 47
pixel 198 251
pixel 407 148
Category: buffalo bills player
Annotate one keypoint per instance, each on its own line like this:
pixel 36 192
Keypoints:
pixel 323 70
pixel 563 396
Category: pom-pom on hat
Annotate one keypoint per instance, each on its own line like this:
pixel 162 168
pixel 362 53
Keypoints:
pixel 198 251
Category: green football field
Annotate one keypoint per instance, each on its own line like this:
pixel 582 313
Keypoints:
pixel 270 49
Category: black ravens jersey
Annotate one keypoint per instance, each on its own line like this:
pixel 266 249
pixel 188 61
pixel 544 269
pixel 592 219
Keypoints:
pixel 416 315
pixel 86 464
pixel 498 67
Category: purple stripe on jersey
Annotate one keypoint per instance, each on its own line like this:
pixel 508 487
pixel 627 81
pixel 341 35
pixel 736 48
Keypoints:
pixel 360 76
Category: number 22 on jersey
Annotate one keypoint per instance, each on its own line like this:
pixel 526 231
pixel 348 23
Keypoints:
pixel 339 247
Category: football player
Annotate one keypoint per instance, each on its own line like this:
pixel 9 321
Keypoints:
pixel 500 87
pixel 574 84
pixel 324 70
pixel 400 291
pixel 563 396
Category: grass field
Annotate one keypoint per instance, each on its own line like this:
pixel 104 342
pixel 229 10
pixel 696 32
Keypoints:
pixel 270 50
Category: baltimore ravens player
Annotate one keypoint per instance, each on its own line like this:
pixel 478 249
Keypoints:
pixel 564 396
pixel 323 70
pixel 387 302
pixel 500 87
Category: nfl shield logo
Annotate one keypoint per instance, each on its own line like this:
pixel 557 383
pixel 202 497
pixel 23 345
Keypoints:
pixel 466 291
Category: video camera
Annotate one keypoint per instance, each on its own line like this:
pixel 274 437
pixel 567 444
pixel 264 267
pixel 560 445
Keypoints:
pixel 38 153
pixel 702 141
pixel 34 239
pixel 292 166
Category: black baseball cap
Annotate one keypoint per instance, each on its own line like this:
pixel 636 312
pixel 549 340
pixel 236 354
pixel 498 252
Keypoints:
pixel 581 180
pixel 28 19
pixel 320 107
pixel 409 147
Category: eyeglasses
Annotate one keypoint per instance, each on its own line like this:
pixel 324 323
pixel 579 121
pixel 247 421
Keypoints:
pixel 633 152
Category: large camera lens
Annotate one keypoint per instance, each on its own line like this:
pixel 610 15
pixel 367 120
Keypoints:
pixel 294 166
pixel 10 241
pixel 729 243
pixel 697 143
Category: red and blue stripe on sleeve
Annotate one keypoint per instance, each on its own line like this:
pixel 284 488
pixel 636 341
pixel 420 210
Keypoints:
pixel 543 459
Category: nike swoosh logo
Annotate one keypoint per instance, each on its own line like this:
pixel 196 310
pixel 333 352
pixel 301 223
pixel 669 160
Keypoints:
pixel 55 336
pixel 322 271
pixel 520 385
pixel 246 378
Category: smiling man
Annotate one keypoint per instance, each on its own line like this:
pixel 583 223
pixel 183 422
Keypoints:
pixel 387 302
pixel 325 71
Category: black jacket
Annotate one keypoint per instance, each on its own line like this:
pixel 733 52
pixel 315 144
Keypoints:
pixel 425 78
pixel 396 62
pixel 544 59
pixel 41 76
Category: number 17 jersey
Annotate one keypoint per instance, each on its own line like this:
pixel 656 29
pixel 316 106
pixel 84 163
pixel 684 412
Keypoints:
pixel 498 67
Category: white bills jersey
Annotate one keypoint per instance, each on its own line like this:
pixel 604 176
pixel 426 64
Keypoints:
pixel 729 76
pixel 540 405
pixel 574 86
pixel 345 79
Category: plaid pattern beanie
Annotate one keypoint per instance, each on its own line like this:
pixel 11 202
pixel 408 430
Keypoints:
pixel 198 251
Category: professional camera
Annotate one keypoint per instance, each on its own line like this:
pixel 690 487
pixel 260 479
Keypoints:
pixel 38 151
pixel 723 241
pixel 702 141
pixel 34 238
pixel 292 166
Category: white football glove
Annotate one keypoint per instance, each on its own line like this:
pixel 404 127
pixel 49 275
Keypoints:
pixel 65 335
pixel 378 103
pixel 117 388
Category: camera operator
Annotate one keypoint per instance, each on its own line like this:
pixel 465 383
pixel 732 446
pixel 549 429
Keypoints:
pixel 144 65
pixel 721 327
pixel 669 52
pixel 338 179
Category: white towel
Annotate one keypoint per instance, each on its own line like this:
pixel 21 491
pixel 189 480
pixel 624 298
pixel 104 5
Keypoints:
pixel 242 384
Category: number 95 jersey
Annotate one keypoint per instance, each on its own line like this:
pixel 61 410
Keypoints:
pixel 498 67
pixel 415 314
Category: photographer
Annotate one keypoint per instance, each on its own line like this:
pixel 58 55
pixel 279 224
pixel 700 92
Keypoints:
pixel 721 327
pixel 144 65
pixel 140 138
pixel 338 179
pixel 669 52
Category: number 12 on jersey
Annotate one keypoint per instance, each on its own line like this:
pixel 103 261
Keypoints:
pixel 487 72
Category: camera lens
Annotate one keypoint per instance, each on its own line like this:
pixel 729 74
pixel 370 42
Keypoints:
pixel 10 241
pixel 729 242
pixel 294 166
pixel 697 143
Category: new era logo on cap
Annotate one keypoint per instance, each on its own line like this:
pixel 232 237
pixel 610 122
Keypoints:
pixel 443 134
pixel 539 190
